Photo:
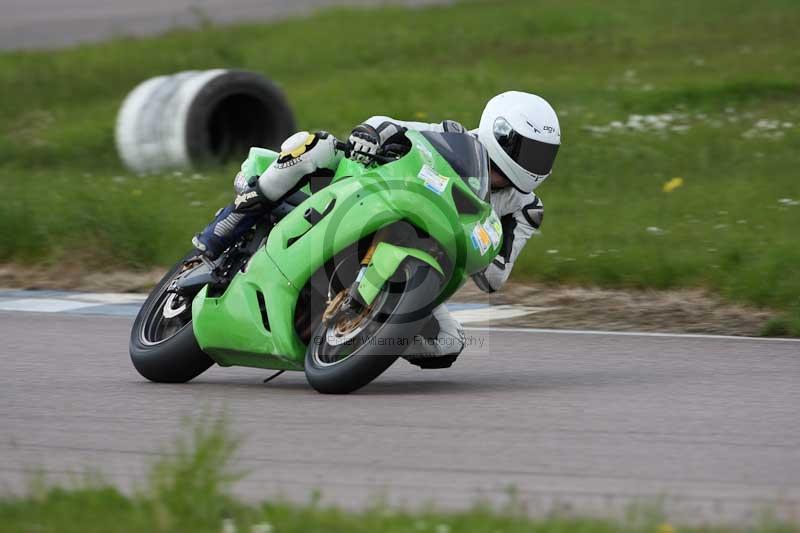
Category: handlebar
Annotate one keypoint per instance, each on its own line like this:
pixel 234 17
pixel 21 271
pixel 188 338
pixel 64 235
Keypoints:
pixel 343 147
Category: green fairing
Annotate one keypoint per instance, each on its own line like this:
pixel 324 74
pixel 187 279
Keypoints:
pixel 385 260
pixel 258 160
pixel 230 327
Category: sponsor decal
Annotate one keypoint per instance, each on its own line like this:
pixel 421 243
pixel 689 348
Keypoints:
pixel 242 198
pixel 286 164
pixel 433 180
pixel 480 239
pixel 494 229
pixel 532 126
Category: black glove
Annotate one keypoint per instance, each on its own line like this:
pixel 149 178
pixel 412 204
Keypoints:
pixel 367 141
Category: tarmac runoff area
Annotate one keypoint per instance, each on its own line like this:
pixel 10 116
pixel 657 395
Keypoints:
pixel 587 421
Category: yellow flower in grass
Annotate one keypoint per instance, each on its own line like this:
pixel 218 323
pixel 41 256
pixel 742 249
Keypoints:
pixel 672 184
pixel 420 114
pixel 665 528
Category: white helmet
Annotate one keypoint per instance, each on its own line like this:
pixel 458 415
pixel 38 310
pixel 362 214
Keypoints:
pixel 521 133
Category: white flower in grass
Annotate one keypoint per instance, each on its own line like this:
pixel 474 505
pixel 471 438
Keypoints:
pixel 654 230
pixel 788 202
pixel 264 527
pixel 766 124
pixel 552 251
pixel 767 129
pixel 228 526
pixel 442 528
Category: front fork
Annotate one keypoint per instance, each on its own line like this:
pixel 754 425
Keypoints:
pixel 365 262
pixel 383 262
pixel 350 298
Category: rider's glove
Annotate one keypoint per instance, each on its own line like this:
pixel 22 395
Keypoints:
pixel 366 141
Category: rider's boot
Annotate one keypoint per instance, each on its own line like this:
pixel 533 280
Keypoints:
pixel 232 221
pixel 440 343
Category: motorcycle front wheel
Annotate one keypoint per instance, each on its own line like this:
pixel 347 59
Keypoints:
pixel 163 347
pixel 350 348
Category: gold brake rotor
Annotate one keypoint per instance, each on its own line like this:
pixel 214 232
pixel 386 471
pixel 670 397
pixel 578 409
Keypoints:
pixel 333 306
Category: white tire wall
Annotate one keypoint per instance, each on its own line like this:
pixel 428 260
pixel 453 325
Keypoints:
pixel 200 117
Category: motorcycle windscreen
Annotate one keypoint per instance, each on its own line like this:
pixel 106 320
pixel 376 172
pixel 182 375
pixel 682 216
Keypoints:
pixel 467 156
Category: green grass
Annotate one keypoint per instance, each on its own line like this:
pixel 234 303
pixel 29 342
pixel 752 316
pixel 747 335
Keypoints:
pixel 718 66
pixel 189 489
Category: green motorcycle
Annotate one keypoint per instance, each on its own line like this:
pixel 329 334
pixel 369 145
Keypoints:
pixel 339 280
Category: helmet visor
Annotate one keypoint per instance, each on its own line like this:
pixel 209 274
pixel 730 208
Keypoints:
pixel 534 156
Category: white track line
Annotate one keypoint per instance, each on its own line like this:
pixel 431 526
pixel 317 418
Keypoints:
pixel 108 298
pixel 79 301
pixel 629 334
pixel 495 312
pixel 42 305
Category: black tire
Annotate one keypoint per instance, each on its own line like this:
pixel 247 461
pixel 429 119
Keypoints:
pixel 177 358
pixel 399 312
pixel 194 118
pixel 234 112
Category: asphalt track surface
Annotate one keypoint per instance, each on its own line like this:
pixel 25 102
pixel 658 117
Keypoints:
pixel 589 422
pixel 54 23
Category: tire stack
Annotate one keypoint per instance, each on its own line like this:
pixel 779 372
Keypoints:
pixel 198 118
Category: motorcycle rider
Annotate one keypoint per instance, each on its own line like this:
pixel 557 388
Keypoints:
pixel 519 130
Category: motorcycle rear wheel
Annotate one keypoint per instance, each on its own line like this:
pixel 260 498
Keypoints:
pixel 341 360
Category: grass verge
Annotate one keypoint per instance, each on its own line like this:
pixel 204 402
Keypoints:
pixel 680 125
pixel 188 489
